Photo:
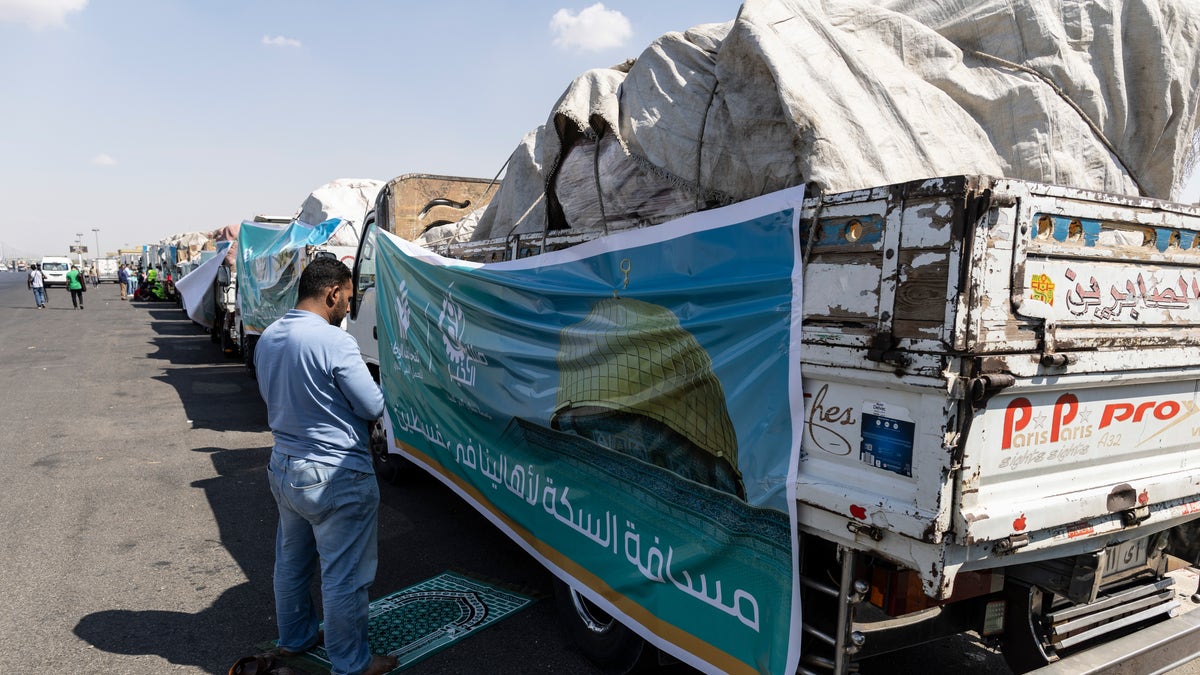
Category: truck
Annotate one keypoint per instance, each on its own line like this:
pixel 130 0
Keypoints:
pixel 1000 428
pixel 271 256
pixel 106 269
pixel 833 330
pixel 225 331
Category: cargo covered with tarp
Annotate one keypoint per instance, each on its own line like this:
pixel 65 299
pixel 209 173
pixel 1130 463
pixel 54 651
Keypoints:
pixel 197 291
pixel 346 198
pixel 270 257
pixel 849 94
pixel 270 260
pixel 228 233
pixel 834 95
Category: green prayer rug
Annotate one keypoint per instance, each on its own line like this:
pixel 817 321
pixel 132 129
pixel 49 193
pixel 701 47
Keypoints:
pixel 425 618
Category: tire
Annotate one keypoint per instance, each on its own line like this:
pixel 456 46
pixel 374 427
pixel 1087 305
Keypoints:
pixel 245 341
pixel 389 467
pixel 1184 542
pixel 599 636
pixel 218 327
pixel 228 346
pixel 1025 643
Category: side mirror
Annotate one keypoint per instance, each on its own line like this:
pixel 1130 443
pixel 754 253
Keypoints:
pixel 223 275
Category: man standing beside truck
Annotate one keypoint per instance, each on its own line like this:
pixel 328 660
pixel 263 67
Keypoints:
pixel 320 398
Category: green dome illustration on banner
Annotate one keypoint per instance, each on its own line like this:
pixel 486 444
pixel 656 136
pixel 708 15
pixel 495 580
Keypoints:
pixel 631 356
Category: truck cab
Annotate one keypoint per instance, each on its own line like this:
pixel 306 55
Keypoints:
pixel 409 206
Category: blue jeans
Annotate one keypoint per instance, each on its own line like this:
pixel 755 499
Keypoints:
pixel 39 296
pixel 131 285
pixel 327 516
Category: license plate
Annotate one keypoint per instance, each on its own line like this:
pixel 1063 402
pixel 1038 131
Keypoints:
pixel 1126 556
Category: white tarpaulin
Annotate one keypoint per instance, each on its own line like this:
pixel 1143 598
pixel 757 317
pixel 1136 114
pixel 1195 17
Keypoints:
pixel 846 94
pixel 196 288
pixel 346 198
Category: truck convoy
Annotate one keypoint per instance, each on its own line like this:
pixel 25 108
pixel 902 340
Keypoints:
pixel 793 343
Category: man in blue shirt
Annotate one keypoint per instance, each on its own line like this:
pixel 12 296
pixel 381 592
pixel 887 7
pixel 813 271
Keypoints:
pixel 123 279
pixel 320 398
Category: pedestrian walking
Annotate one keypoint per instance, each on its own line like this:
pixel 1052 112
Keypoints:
pixel 76 284
pixel 320 399
pixel 123 280
pixel 36 282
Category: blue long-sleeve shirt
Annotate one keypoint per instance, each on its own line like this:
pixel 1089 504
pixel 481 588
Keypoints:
pixel 319 393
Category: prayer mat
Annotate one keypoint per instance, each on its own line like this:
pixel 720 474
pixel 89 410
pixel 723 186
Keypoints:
pixel 425 618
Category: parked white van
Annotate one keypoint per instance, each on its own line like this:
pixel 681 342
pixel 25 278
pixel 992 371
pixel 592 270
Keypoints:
pixel 54 269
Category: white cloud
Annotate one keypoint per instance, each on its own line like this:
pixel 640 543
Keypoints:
pixel 40 14
pixel 278 41
pixel 103 160
pixel 593 29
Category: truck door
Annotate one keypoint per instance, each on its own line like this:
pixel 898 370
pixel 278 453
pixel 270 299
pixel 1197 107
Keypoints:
pixel 361 323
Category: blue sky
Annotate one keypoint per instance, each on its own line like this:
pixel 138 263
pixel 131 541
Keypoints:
pixel 147 119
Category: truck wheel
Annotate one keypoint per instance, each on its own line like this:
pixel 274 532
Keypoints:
pixel 391 468
pixel 599 636
pixel 1026 646
pixel 229 346
pixel 247 351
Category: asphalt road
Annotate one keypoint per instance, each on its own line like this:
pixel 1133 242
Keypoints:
pixel 137 524
pixel 138 527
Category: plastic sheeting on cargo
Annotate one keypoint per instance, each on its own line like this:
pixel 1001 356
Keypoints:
pixel 347 199
pixel 848 94
pixel 457 232
pixel 270 261
pixel 228 233
pixel 196 288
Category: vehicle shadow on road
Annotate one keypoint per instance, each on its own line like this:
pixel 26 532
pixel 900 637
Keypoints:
pixel 216 636
pixel 216 394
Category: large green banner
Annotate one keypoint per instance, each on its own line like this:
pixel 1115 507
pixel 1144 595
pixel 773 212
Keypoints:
pixel 628 410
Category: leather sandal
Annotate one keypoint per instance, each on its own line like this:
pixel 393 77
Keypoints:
pixel 259 664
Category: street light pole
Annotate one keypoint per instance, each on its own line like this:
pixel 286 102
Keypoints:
pixel 78 250
pixel 97 231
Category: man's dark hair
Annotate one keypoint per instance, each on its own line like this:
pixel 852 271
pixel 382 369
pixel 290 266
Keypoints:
pixel 320 274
